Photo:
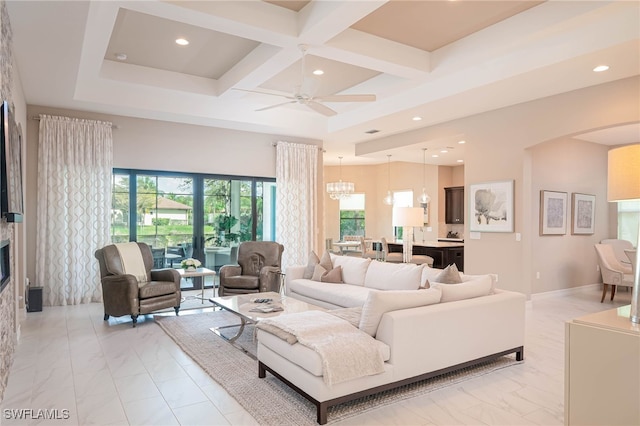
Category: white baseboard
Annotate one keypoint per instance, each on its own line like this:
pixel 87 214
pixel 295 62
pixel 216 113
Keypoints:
pixel 565 291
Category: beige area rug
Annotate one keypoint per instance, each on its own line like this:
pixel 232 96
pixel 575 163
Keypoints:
pixel 268 400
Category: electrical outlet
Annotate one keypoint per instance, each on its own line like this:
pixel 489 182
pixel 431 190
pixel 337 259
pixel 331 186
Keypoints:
pixel 597 268
pixel 537 275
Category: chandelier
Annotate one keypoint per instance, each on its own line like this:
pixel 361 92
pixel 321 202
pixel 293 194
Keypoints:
pixel 424 198
pixel 388 200
pixel 339 190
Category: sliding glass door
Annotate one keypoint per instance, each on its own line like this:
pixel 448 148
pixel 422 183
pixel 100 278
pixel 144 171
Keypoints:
pixel 184 215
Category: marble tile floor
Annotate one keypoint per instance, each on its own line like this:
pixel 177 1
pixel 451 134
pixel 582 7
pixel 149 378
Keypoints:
pixel 68 358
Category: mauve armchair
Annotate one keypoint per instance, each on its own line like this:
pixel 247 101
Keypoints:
pixel 257 271
pixel 124 294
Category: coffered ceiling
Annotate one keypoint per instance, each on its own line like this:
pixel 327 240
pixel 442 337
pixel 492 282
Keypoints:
pixel 419 58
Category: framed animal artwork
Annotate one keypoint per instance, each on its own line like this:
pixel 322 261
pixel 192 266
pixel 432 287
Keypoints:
pixel 491 206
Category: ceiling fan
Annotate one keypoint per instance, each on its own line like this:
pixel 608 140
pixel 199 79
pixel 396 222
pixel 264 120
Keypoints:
pixel 314 102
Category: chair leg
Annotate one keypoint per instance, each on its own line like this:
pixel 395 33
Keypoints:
pixel 604 292
pixel 106 317
pixel 134 318
pixel 177 309
pixel 613 291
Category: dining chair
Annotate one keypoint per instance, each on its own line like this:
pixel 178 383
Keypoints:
pixel 394 257
pixel 612 271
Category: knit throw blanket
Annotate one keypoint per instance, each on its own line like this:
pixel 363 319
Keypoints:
pixel 347 353
pixel 132 261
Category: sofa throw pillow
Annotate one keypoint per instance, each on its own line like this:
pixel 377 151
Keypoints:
pixel 326 262
pixel 379 302
pixel 450 275
pixel 354 269
pixel 311 265
pixel 393 276
pixel 494 279
pixel 333 275
pixel 467 290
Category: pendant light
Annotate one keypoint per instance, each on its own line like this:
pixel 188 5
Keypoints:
pixel 339 190
pixel 424 198
pixel 388 200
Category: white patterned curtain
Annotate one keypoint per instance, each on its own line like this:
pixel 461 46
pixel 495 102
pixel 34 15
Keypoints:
pixel 296 201
pixel 74 207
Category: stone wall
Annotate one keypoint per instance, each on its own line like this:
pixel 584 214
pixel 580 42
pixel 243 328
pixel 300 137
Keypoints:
pixel 8 325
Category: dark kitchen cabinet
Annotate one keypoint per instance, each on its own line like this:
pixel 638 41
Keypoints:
pixel 454 205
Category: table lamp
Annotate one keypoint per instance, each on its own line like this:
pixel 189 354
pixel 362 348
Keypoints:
pixel 408 218
pixel 623 184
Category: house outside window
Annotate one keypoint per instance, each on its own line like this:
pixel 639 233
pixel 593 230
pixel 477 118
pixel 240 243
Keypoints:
pixel 352 215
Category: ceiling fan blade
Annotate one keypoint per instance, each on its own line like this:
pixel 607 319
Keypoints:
pixel 347 98
pixel 263 93
pixel 322 109
pixel 276 105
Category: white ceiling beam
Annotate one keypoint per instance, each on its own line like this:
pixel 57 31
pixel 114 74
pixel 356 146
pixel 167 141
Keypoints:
pixel 320 21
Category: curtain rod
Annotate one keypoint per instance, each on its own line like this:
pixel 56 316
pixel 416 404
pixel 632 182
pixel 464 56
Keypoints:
pixel 113 126
pixel 274 144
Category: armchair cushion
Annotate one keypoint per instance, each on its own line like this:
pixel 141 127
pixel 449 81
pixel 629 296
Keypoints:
pixel 156 288
pixel 248 282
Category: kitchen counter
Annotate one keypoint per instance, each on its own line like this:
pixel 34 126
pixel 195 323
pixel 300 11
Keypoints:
pixel 443 253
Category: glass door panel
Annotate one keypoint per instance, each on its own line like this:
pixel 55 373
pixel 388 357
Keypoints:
pixel 218 222
pixel 120 209
pixel 165 215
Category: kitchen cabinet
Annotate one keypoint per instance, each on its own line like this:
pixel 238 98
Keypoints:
pixel 443 253
pixel 454 205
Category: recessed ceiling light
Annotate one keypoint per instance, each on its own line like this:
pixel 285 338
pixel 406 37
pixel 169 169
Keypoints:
pixel 444 151
pixel 318 72
pixel 462 142
pixel 182 41
pixel 459 161
pixel 416 118
pixel 121 56
pixel 435 155
pixel 601 68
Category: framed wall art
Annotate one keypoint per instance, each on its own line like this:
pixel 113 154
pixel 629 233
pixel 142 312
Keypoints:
pixel 491 206
pixel 553 213
pixel 583 217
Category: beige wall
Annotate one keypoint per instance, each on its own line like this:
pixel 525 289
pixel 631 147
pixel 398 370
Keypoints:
pixel 568 165
pixel 497 149
pixel 159 145
pixel 373 181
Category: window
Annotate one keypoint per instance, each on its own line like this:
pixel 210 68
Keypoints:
pixel 628 221
pixel 191 210
pixel 352 215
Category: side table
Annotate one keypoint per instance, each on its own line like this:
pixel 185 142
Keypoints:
pixel 199 273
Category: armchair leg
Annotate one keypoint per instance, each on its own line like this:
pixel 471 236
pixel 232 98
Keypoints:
pixel 106 317
pixel 134 318
pixel 604 292
pixel 613 291
pixel 177 309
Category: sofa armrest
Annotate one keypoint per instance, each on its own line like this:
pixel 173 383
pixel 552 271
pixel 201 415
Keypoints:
pixel 432 337
pixel 295 272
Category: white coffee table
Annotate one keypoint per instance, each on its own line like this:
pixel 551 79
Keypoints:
pixel 199 273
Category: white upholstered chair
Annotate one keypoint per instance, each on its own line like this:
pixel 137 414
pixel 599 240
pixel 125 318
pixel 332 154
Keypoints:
pixel 395 257
pixel 619 247
pixel 613 272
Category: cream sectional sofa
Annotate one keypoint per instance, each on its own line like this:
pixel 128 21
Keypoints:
pixel 425 332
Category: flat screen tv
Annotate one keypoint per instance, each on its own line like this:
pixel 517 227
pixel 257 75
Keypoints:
pixel 11 203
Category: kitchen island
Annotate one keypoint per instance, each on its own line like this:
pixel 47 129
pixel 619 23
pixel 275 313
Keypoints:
pixel 443 253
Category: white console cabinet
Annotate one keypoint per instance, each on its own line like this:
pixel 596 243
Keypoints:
pixel 602 369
